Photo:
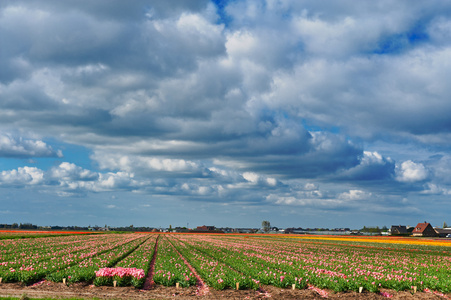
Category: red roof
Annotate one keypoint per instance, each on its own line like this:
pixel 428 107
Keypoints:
pixel 420 227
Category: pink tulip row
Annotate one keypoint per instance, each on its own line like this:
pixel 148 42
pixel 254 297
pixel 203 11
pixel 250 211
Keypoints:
pixel 121 272
pixel 170 268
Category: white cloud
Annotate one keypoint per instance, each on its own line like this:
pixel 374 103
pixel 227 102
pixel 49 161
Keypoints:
pixel 145 165
pixel 354 195
pixel 271 181
pixel 256 179
pixel 19 147
pixel 251 177
pixel 434 189
pixel 410 171
pixel 115 181
pixel 22 176
pixel 71 172
pixel 300 200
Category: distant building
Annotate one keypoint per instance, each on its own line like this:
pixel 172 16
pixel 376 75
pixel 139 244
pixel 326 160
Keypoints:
pixel 443 232
pixel 181 229
pixel 205 228
pixel 398 230
pixel 424 229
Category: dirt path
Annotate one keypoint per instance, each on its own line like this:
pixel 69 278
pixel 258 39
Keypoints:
pixel 86 291
pixel 149 283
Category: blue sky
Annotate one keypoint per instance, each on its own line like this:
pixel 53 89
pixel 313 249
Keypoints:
pixel 226 113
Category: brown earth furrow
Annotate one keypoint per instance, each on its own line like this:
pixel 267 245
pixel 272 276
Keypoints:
pixel 202 288
pixel 149 283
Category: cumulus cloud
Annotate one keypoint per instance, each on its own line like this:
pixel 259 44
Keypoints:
pixel 145 165
pixel 301 200
pixel 372 167
pixel 71 172
pixel 24 148
pixel 354 195
pixel 434 189
pixel 254 178
pixel 22 177
pixel 410 171
pixel 68 179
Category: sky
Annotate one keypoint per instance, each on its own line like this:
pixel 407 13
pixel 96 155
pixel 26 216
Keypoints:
pixel 225 113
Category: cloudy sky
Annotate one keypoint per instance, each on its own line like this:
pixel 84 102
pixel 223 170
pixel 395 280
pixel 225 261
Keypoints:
pixel 227 113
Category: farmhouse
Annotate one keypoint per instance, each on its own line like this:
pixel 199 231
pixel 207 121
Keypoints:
pixel 205 228
pixel 424 229
pixel 398 230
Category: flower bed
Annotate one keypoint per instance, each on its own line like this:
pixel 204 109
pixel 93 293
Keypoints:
pixel 123 276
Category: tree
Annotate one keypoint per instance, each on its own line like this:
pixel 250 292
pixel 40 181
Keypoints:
pixel 266 226
pixel 445 225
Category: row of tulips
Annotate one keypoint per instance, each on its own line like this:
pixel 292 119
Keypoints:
pixel 170 267
pixel 132 270
pixel 215 273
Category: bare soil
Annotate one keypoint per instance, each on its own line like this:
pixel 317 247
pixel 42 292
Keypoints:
pixel 86 291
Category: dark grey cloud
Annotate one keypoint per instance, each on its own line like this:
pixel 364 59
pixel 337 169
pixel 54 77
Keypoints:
pixel 372 167
pixel 115 9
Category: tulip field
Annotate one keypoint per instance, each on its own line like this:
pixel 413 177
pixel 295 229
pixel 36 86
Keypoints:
pixel 218 261
pixel 19 234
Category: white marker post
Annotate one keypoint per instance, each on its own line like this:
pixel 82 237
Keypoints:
pixel 293 286
pixel 360 289
pixel 177 285
pixel 237 285
pixel 64 280
pixel 114 283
